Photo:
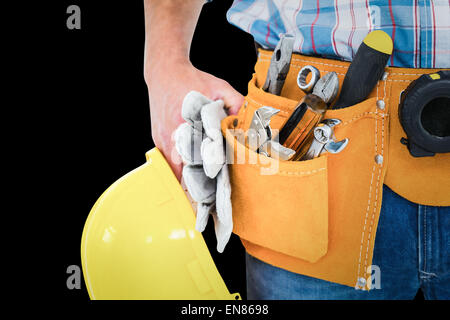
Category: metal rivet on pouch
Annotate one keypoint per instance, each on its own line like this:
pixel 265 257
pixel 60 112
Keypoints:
pixel 235 122
pixel 361 282
pixel 379 159
pixel 384 77
pixel 381 104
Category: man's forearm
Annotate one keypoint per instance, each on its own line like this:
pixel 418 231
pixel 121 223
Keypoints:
pixel 169 28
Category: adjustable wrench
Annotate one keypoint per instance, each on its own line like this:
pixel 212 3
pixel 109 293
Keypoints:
pixel 259 138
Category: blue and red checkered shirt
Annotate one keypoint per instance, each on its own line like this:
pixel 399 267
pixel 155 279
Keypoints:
pixel 420 29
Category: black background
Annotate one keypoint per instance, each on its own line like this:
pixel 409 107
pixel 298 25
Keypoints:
pixel 100 113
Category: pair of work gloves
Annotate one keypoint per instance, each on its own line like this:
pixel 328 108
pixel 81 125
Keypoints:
pixel 200 143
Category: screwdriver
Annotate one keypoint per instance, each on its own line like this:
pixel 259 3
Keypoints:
pixel 366 69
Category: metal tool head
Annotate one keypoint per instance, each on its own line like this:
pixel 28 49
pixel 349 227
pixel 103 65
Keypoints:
pixel 260 131
pixel 324 140
pixel 331 122
pixel 260 135
pixel 279 64
pixel 335 147
pixel 307 87
pixel 277 151
pixel 263 116
pixel 327 87
pixel 323 133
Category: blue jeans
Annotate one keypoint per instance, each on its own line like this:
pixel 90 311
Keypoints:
pixel 412 250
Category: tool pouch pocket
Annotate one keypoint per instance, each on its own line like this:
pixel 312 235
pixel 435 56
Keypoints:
pixel 273 198
pixel 318 213
pixel 280 205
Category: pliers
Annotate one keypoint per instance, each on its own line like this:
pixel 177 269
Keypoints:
pixel 279 65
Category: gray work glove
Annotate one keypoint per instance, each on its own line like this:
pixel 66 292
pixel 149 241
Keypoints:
pixel 200 144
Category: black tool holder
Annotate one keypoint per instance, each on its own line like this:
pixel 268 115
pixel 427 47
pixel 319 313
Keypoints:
pixel 424 113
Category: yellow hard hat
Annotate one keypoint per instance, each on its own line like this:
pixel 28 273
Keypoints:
pixel 140 242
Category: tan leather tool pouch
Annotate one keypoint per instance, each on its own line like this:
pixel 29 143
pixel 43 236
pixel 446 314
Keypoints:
pixel 319 217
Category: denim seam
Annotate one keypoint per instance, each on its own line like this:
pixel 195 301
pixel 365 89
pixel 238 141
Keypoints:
pixel 423 273
pixel 425 239
pixel 419 238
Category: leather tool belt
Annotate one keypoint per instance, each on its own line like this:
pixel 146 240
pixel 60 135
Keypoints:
pixel 319 217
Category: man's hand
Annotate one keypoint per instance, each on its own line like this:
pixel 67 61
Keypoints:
pixel 170 75
pixel 167 91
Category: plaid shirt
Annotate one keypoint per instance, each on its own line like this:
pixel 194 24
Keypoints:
pixel 420 29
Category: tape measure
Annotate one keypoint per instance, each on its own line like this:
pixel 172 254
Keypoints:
pixel 424 113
